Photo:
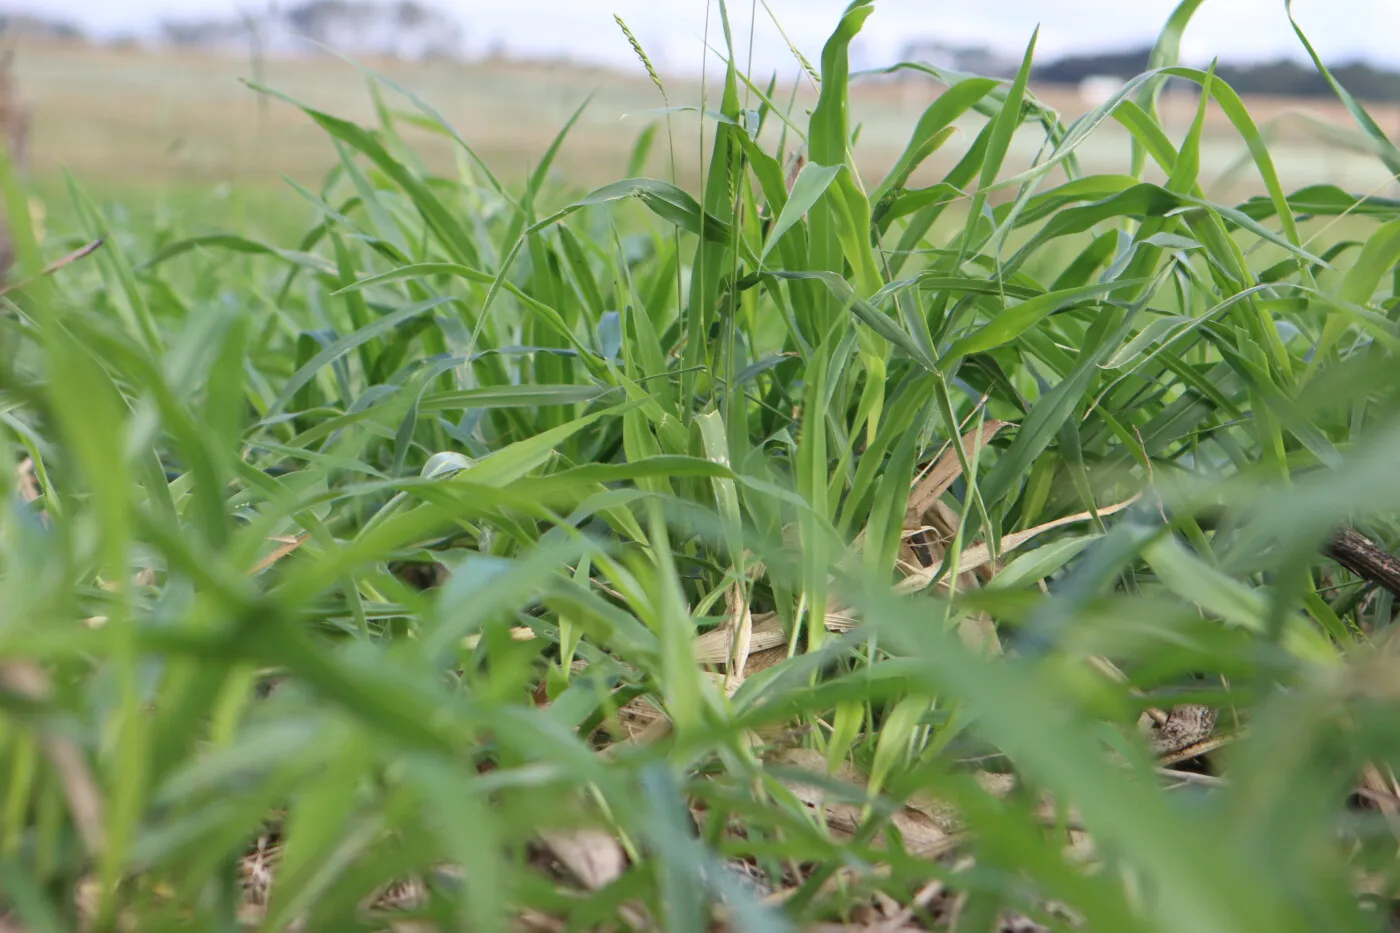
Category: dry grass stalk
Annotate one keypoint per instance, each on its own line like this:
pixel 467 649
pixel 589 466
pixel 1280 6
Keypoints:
pixel 36 214
pixel 765 633
pixel 740 622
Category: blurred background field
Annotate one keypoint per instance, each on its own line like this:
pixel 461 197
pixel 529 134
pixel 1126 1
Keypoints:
pixel 137 124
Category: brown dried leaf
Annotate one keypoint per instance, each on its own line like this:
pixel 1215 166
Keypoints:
pixel 762 660
pixel 765 631
pixel 922 834
pixel 642 722
pixel 979 555
pixel 1381 790
pixel 532 921
pixel 946 471
pixel 592 856
pixel 517 633
pixel 284 547
pixel 978 634
pixel 25 480
pixel 881 926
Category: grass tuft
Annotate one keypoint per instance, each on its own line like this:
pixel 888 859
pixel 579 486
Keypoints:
pixel 981 544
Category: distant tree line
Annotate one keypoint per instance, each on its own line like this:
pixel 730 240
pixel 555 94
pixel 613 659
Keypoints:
pixel 399 28
pixel 30 25
pixel 1283 77
pixel 411 29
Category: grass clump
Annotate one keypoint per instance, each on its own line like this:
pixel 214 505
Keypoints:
pixel 823 550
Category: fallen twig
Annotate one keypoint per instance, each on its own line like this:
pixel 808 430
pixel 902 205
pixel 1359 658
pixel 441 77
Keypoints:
pixel 1364 557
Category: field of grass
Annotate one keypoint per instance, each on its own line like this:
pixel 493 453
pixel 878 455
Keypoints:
pixel 985 526
pixel 144 121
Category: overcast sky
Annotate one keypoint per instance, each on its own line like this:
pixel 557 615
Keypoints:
pixel 671 29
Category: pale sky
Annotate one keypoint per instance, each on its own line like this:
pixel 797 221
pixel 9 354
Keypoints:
pixel 1236 30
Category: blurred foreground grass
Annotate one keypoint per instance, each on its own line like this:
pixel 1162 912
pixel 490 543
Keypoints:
pixel 835 547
